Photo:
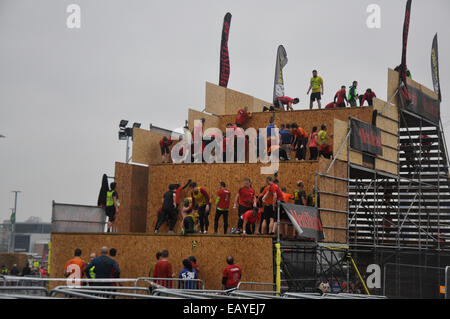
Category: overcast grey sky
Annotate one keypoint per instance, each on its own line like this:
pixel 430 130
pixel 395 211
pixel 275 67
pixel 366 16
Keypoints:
pixel 63 91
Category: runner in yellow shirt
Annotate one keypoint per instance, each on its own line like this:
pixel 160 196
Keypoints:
pixel 316 85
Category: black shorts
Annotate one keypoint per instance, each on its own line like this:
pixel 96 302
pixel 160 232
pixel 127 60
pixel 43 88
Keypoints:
pixel 110 212
pixel 315 96
pixel 165 150
pixel 268 213
pixel 341 104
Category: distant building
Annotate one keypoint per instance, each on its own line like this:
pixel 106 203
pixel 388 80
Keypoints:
pixel 29 237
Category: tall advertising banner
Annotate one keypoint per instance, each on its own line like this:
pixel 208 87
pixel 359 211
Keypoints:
pixel 224 57
pixel 435 68
pixel 278 87
pixel 404 94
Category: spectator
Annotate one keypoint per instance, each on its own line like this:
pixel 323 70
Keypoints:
pixel 269 129
pixel 201 204
pixel 104 266
pixel 322 138
pixel 4 270
pixel 368 96
pixel 163 269
pixel 286 100
pixel 168 211
pixel 251 220
pixel 232 274
pixel 187 274
pixel 26 270
pixel 222 206
pixel 14 271
pixel 151 273
pixel 285 137
pixel 112 206
pixel 165 144
pixel 193 261
pixel 340 97
pixel 43 272
pixel 242 116
pixel 75 266
pixel 112 254
pixel 246 198
pixel 313 144
pixel 352 94
pixel 91 274
pixel 316 84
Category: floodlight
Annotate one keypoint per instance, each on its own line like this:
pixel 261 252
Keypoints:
pixel 123 123
pixel 137 125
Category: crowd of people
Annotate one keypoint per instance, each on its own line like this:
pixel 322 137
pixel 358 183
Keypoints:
pixel 36 270
pixel 106 266
pixel 256 211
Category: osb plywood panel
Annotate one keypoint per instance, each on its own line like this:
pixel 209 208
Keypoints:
pixel 356 158
pixel 389 139
pixel 390 111
pixel 387 125
pixel 258 105
pixel 393 82
pixel 138 199
pixel 9 259
pixel 235 100
pixel 136 254
pixel 389 167
pixel 146 149
pixel 132 181
pixel 214 99
pixel 210 120
pixel 123 177
pixel 304 118
pixel 209 176
pixel 340 132
pixel 390 154
pixel 329 201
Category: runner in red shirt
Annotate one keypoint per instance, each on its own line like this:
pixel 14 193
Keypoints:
pixel 286 100
pixel 165 144
pixel 331 105
pixel 232 274
pixel 163 269
pixel 242 116
pixel 251 218
pixel 340 97
pixel 246 197
pixel 368 96
pixel 222 205
pixel 277 194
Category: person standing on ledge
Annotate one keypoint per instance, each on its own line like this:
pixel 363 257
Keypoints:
pixel 340 97
pixel 112 206
pixel 222 206
pixel 352 94
pixel 201 204
pixel 316 85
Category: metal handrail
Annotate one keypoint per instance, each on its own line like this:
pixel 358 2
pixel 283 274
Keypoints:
pixel 255 283
pixel 24 288
pixel 152 280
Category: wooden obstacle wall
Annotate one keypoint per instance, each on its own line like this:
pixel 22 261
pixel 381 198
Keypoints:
pixel 388 123
pixel 221 101
pixel 136 254
pixel 210 175
pixel 146 149
pixel 132 181
pixel 333 198
pixel 210 120
pixel 9 259
pixel 393 83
